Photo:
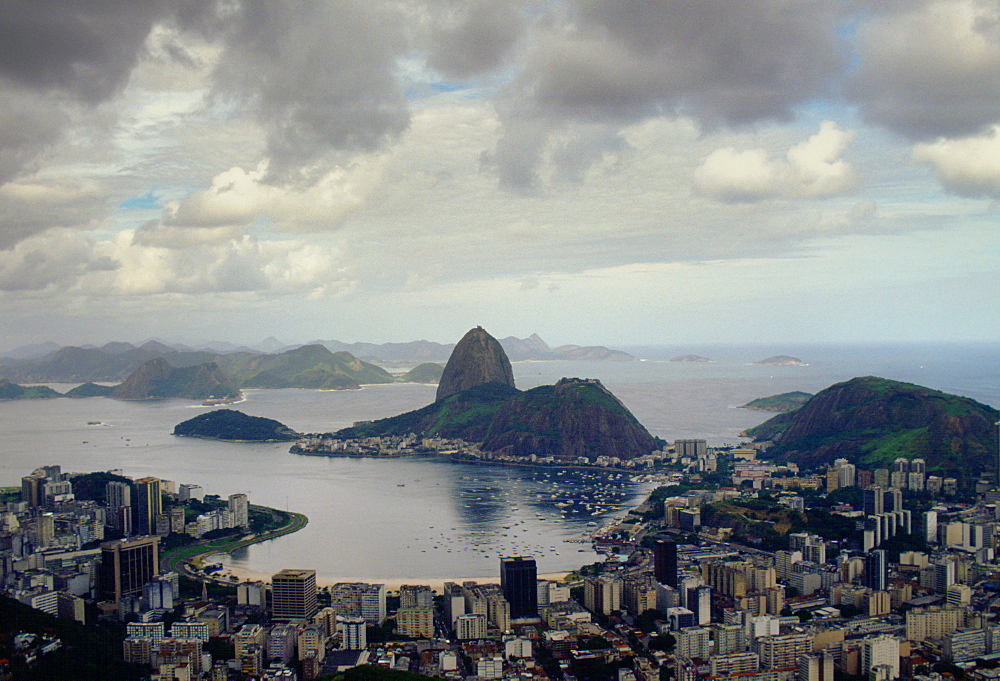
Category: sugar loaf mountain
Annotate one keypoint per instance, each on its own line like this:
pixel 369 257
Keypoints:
pixel 872 421
pixel 478 402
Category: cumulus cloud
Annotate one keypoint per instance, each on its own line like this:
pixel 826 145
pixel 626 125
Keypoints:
pixel 617 63
pixel 36 204
pixel 239 197
pixel 968 166
pixel 930 69
pixel 63 261
pixel 811 169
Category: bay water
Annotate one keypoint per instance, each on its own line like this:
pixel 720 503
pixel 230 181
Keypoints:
pixel 429 518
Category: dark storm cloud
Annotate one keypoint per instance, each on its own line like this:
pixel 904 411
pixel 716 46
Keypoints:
pixel 319 77
pixel 470 37
pixel 721 63
pixel 930 69
pixel 86 49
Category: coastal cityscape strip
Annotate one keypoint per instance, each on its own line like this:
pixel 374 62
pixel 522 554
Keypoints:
pixel 732 567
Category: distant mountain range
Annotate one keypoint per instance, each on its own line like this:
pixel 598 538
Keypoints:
pixel 113 362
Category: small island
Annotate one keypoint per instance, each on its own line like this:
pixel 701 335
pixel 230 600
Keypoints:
pixel 13 391
pixel 230 425
pixel 428 372
pixel 782 402
pixel 782 361
pixel 691 358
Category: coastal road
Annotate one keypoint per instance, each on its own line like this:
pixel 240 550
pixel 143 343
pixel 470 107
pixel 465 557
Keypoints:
pixel 181 559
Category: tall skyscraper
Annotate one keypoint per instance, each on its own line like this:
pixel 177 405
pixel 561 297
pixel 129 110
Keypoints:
pixel 293 594
pixel 665 562
pixel 127 565
pixel 148 505
pixel 873 500
pixel 239 507
pixel 119 514
pixel 518 581
pixel 874 575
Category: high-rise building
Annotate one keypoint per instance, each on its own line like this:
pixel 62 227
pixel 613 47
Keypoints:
pixel 944 575
pixel 873 500
pixel 874 575
pixel 880 651
pixel 239 507
pixel 293 594
pixel 148 505
pixel 602 594
pixel 782 652
pixel 816 667
pixel 127 565
pixel 119 501
pixel 353 634
pixel 665 562
pixel 518 581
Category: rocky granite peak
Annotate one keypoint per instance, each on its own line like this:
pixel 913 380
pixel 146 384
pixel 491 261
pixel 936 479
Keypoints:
pixel 477 359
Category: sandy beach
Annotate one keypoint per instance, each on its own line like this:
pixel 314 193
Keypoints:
pixel 244 575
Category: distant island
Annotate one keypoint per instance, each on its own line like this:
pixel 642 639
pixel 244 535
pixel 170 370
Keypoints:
pixel 782 402
pixel 13 391
pixel 691 358
pixel 782 361
pixel 230 425
pixel 428 372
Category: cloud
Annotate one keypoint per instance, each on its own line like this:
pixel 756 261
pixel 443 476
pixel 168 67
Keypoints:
pixel 54 260
pixel 63 261
pixel 930 69
pixel 618 63
pixel 319 78
pixel 37 204
pixel 240 197
pixel 811 169
pixel 469 37
pixel 968 166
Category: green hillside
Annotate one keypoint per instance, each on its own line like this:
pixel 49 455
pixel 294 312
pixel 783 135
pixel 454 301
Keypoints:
pixel 235 426
pixel 872 421
pixel 310 366
pixel 13 391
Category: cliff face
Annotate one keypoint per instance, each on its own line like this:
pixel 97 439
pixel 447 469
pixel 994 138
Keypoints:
pixel 872 421
pixel 573 418
pixel 156 379
pixel 477 359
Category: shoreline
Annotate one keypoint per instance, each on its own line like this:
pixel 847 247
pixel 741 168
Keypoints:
pixel 392 584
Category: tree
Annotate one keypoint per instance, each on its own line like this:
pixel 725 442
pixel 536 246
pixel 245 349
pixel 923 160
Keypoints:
pixel 664 642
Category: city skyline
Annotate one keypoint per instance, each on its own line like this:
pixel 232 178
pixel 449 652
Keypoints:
pixel 597 173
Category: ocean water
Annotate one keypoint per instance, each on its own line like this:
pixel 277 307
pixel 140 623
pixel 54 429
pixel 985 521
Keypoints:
pixel 430 518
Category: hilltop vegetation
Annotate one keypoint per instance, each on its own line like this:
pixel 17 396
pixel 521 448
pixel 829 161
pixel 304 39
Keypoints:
pixel 781 402
pixel 428 372
pixel 13 391
pixel 235 426
pixel 310 366
pixel 573 418
pixel 872 421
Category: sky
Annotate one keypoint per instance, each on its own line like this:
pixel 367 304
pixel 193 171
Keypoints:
pixel 647 172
